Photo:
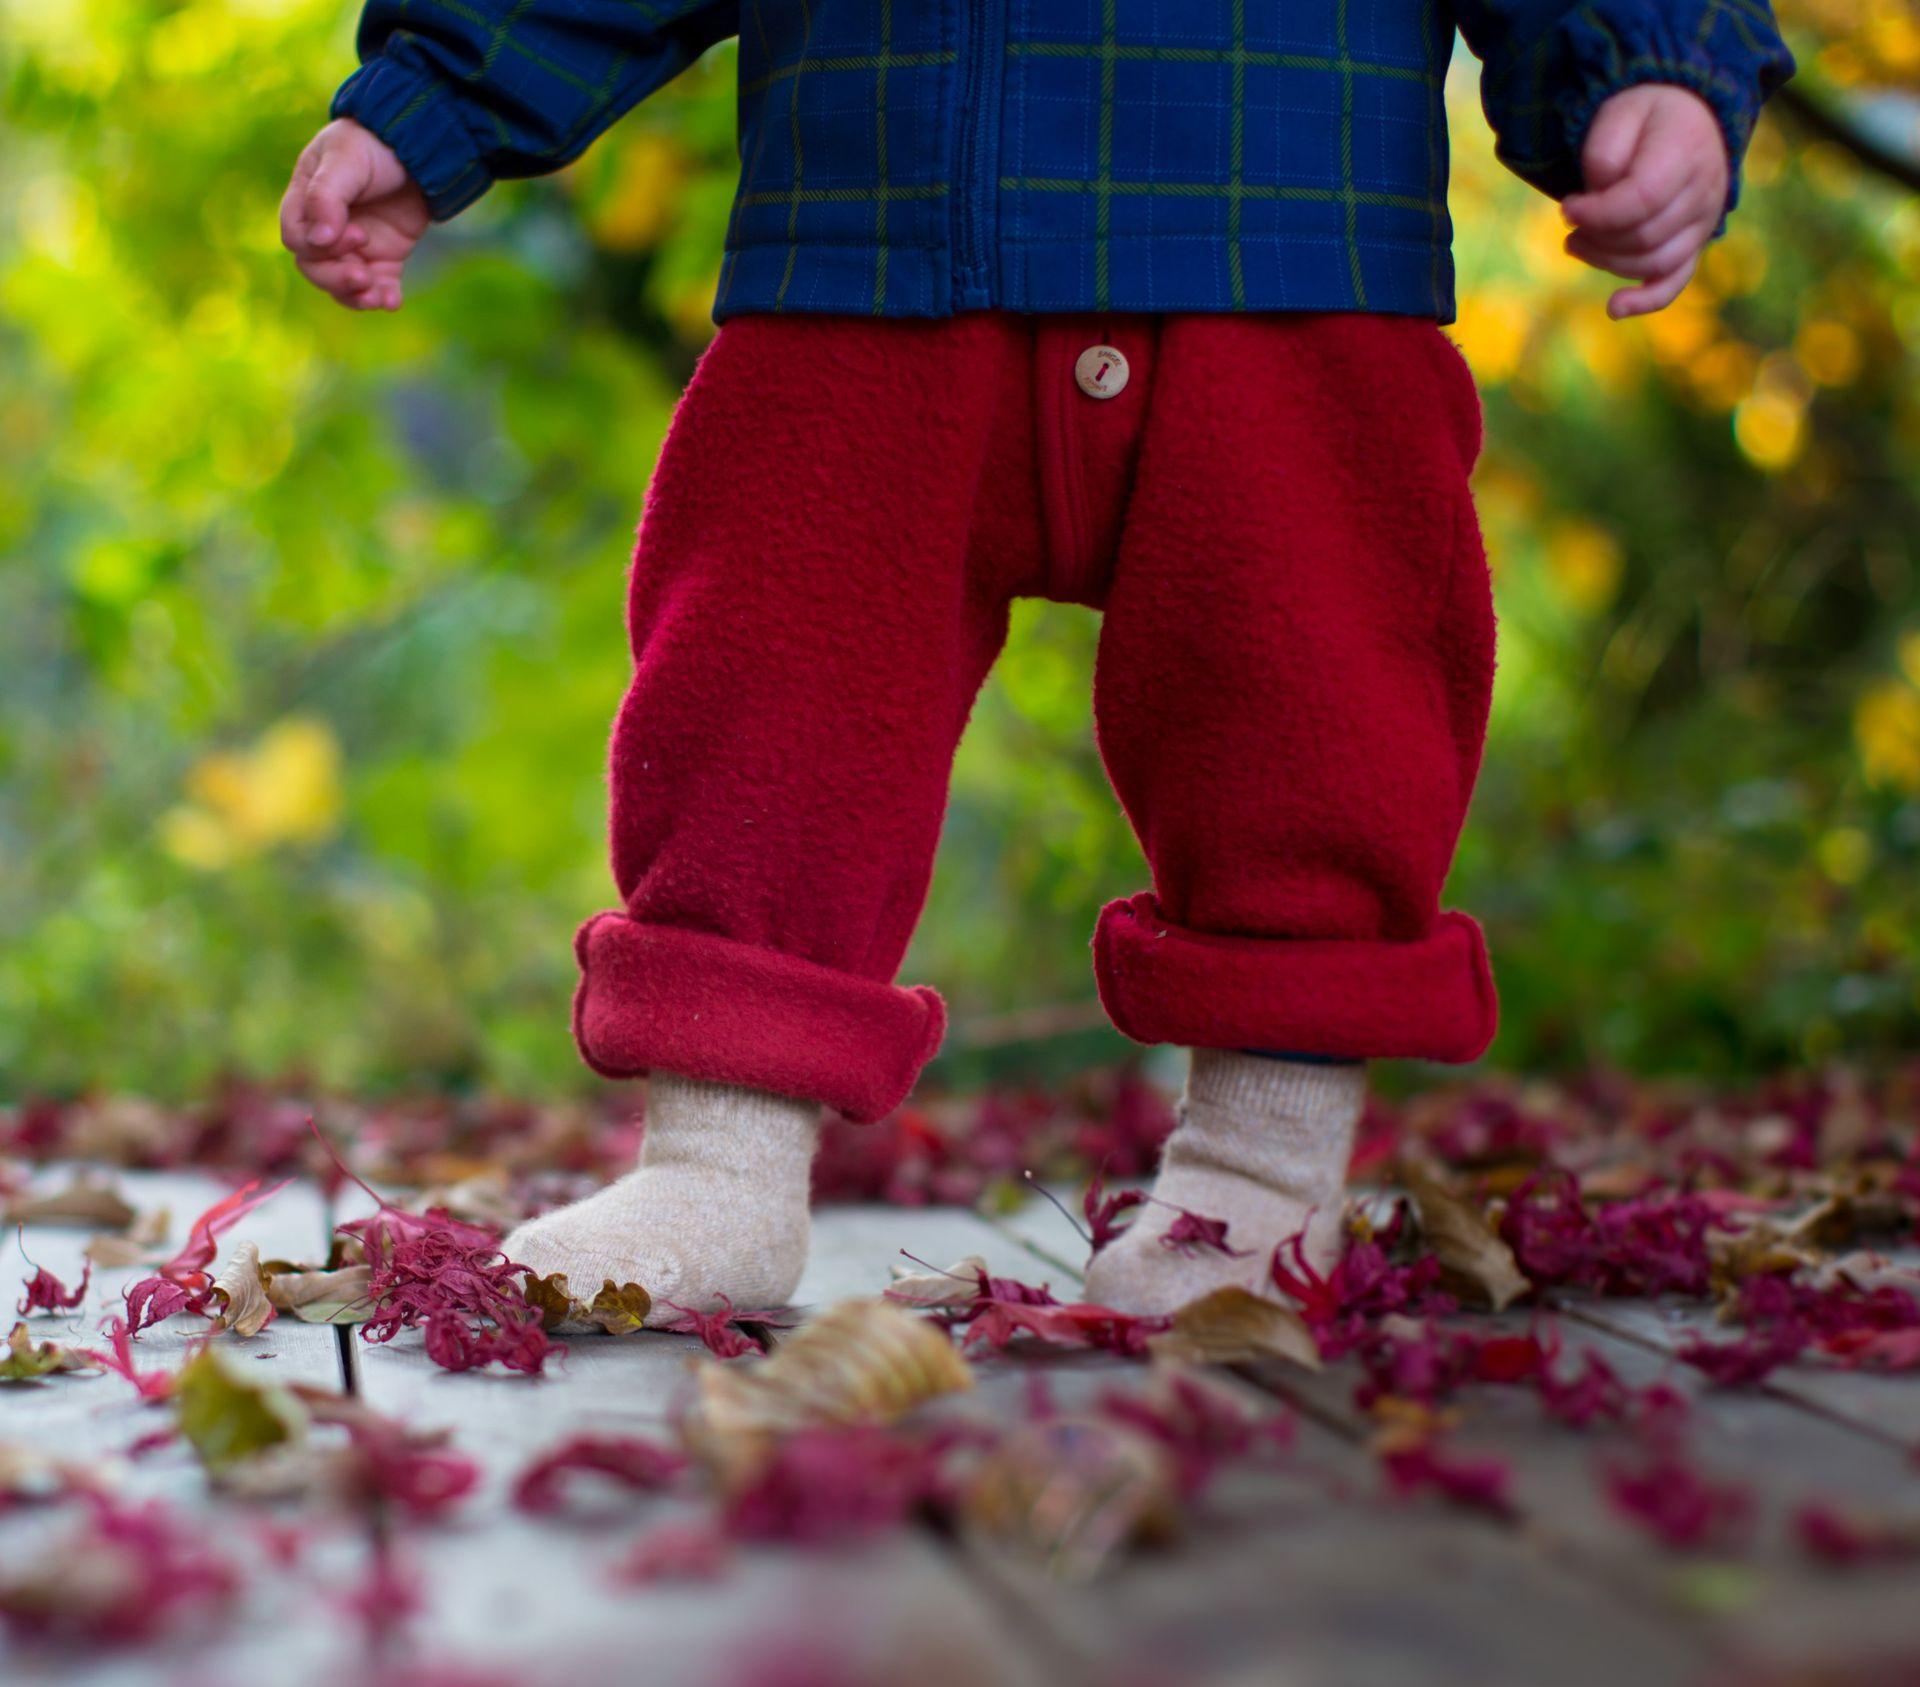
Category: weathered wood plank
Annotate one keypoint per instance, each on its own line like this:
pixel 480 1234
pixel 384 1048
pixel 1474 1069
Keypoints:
pixel 1788 1453
pixel 93 1420
pixel 97 1417
pixel 544 1589
pixel 1309 1574
pixel 1884 1405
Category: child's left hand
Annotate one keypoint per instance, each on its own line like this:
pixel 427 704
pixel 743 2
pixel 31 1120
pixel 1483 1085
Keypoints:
pixel 1655 164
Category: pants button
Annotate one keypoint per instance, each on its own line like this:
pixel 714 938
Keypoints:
pixel 1101 371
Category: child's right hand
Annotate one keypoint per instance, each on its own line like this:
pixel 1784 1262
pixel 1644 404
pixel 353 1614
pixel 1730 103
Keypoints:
pixel 352 216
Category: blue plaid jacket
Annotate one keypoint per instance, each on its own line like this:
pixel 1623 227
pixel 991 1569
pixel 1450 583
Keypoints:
pixel 919 157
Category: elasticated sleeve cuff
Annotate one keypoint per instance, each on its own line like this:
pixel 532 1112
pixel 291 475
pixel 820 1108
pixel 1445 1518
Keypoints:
pixel 1546 100
pixel 412 110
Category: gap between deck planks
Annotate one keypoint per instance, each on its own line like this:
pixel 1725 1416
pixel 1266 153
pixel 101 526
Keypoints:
pixel 1796 1442
pixel 92 1420
pixel 1343 1590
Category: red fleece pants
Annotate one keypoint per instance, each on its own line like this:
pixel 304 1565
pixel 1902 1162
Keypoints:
pixel 1291 691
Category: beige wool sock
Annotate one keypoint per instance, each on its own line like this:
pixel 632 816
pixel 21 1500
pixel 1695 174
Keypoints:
pixel 1262 1144
pixel 715 1213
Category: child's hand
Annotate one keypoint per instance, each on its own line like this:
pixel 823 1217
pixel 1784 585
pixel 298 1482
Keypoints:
pixel 1656 171
pixel 352 216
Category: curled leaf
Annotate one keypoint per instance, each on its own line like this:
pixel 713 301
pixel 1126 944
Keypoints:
pixel 619 1309
pixel 635 1463
pixel 241 1292
pixel 141 1244
pixel 955 1286
pixel 46 1293
pixel 1474 1262
pixel 1231 1326
pixel 1070 1492
pixel 227 1416
pixel 27 1360
pixel 551 1298
pixel 151 1386
pixel 862 1361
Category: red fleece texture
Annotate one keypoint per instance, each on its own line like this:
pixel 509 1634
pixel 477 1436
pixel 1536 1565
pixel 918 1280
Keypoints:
pixel 1291 691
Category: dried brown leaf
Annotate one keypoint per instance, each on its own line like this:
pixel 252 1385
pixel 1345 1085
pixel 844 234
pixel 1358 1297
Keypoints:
pixel 619 1309
pixel 1231 1326
pixel 88 1199
pixel 315 1296
pixel 959 1283
pixel 1847 1215
pixel 1070 1492
pixel 553 1298
pixel 1474 1263
pixel 862 1361
pixel 143 1243
pixel 241 1288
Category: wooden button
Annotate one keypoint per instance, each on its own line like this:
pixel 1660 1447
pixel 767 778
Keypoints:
pixel 1101 371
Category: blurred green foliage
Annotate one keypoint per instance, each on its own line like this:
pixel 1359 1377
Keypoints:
pixel 310 623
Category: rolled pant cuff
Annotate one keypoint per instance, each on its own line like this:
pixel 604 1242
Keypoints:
pixel 1431 998
pixel 729 1012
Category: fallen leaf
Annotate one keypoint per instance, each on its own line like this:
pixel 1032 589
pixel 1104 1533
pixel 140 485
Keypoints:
pixel 862 1361
pixel 339 1296
pixel 1474 1262
pixel 46 1293
pixel 228 1416
pixel 637 1464
pixel 143 1243
pixel 245 1309
pixel 551 1298
pixel 151 1386
pixel 26 1360
pixel 88 1199
pixel 189 1265
pixel 723 1334
pixel 1190 1233
pixel 955 1286
pixel 1847 1215
pixel 1232 1326
pixel 1070 1493
pixel 127 1574
pixel 675 1552
pixel 618 1309
pixel 1845 1538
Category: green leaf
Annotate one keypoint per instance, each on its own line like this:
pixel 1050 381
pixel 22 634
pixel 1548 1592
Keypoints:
pixel 229 1418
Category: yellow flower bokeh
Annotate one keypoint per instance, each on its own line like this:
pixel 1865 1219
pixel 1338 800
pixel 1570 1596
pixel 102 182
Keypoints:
pixel 284 789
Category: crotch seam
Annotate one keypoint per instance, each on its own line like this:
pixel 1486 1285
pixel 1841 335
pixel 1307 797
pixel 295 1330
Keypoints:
pixel 1063 491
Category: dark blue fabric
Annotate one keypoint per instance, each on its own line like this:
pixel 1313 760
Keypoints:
pixel 917 157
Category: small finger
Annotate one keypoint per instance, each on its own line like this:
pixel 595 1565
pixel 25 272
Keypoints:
pixel 1651 296
pixel 1690 209
pixel 1649 189
pixel 1638 265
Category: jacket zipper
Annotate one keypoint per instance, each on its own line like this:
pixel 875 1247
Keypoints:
pixel 982 45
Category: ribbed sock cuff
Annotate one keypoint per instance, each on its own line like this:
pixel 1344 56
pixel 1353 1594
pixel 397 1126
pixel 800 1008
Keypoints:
pixel 1257 1086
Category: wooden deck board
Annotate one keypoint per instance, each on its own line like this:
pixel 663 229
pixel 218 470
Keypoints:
pixel 1885 1405
pixel 282 1632
pixel 1307 1573
pixel 544 1588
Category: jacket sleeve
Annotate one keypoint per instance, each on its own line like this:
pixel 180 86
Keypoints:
pixel 1549 65
pixel 467 92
